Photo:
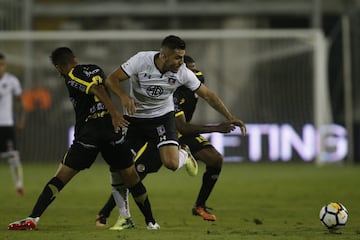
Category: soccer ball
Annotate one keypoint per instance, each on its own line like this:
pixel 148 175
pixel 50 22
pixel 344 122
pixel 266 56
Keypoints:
pixel 333 215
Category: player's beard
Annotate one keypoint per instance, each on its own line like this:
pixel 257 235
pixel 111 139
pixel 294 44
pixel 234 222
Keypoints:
pixel 174 68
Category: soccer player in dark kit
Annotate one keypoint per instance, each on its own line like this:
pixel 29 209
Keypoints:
pixel 98 129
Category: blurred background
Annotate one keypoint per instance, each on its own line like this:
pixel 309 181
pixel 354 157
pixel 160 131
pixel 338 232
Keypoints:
pixel 288 68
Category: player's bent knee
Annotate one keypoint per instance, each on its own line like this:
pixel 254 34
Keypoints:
pixel 171 165
pixel 129 176
pixel 116 179
pixel 218 161
pixel 211 157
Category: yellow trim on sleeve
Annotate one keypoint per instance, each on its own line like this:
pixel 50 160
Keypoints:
pixel 85 83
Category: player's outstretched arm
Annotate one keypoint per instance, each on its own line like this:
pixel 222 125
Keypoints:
pixel 186 128
pixel 113 83
pixel 215 102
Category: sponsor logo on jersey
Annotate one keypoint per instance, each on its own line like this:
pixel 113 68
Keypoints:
pixel 76 85
pixel 89 73
pixel 154 91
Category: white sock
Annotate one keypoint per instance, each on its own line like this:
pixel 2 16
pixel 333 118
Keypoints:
pixel 182 157
pixel 120 194
pixel 121 197
pixel 15 168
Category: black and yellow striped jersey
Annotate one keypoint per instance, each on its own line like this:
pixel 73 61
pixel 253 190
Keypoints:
pixel 79 81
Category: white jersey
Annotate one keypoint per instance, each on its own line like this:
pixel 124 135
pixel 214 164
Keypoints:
pixel 152 89
pixel 9 87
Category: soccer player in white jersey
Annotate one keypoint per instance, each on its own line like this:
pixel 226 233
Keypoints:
pixel 10 90
pixel 154 76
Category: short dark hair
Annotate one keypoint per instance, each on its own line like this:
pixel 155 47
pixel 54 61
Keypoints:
pixel 62 56
pixel 2 56
pixel 188 59
pixel 173 42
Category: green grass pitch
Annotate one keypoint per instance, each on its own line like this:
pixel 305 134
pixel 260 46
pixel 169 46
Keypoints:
pixel 251 201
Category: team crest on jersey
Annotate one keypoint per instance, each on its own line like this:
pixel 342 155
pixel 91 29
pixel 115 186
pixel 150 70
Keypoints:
pixel 154 91
pixel 172 80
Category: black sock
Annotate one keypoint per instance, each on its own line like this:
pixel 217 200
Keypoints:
pixel 141 198
pixel 108 207
pixel 208 182
pixel 51 189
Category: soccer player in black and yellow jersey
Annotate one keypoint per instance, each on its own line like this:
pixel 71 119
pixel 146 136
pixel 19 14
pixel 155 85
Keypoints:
pixel 97 130
pixel 202 150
